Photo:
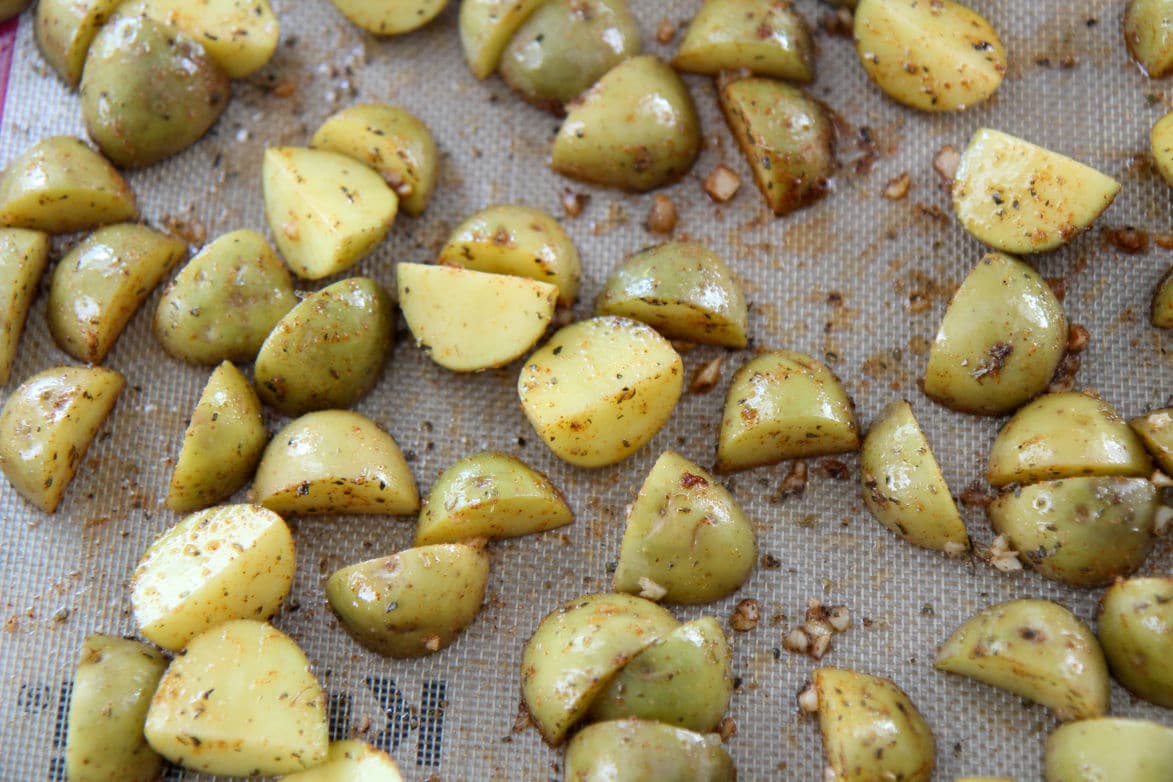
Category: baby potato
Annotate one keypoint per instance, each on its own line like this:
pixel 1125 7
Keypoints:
pixel 335 462
pixel 240 701
pixel 1111 748
pixel 903 486
pixel 683 290
pixel 1020 198
pixel 938 56
pixel 517 240
pixel 230 562
pixel 99 285
pixel 112 689
pixel 47 425
pixel 765 37
pixel 871 730
pixel 600 389
pixel 222 445
pixel 1148 32
pixel 64 31
pixel 329 350
pixel 486 27
pixel 642 751
pixel 326 211
pixel 787 138
pixel 1162 143
pixel 24 255
pixel 413 603
pixel 351 761
pixel 225 301
pixel 1135 628
pixel 683 679
pixel 686 533
pixel 1079 531
pixel 1155 430
pixel 1036 649
pixel 390 17
pixel 1065 435
pixel 576 650
pixel 490 495
pixel 1161 311
pixel 467 320
pixel 59 185
pixel 784 405
pixel 636 129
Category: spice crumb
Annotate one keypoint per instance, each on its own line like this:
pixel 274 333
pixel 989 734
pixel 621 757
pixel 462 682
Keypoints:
pixel 662 217
pixel 707 376
pixel 746 615
pixel 722 183
pixel 946 162
pixel 897 187
pixel 665 31
pixel 726 728
pixel 573 203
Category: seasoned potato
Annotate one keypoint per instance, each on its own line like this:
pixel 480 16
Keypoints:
pixel 1135 628
pixel 1148 32
pixel 390 17
pixel 412 603
pixel 326 211
pixel 329 350
pixel 938 56
pixel 635 129
pixel 490 495
pixel 222 445
pixel 99 285
pixel 765 37
pixel 59 185
pixel 575 651
pixel 66 28
pixel 351 761
pixel 23 257
pixel 641 751
pixel 1161 311
pixel 1111 748
pixel 517 240
pixel 1020 198
pixel 600 389
pixel 335 461
pixel 1036 649
pixel 784 405
pixel 1156 432
pixel 1162 145
pixel 231 562
pixel 47 426
pixel 486 27
pixel 683 290
pixel 687 534
pixel 112 689
pixel 467 320
pixel 225 706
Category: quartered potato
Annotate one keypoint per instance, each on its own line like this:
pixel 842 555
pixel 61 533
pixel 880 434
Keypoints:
pixel 1156 432
pixel 1036 649
pixel 641 751
pixel 112 689
pixel 935 56
pixel 1020 198
pixel 231 562
pixel 59 185
pixel 1065 435
pixel 99 285
pixel 1135 628
pixel 1000 341
pixel 576 650
pixel 390 17
pixel 765 37
pixel 683 679
pixel 600 389
pixel 635 129
pixel 1161 311
pixel 687 534
pixel 329 350
pixel 412 603
pixel 1148 32
pixel 240 35
pixel 467 320
pixel 335 462
pixel 487 26
pixel 225 301
pixel 903 486
pixel 47 426
pixel 784 405
pixel 490 495
pixel 787 138
pixel 327 211
pixel 351 761
pixel 683 290
pixel 222 445
pixel 517 240
pixel 66 28
pixel 1162 135
pixel 240 701
pixel 871 730
pixel 1120 750
pixel 24 255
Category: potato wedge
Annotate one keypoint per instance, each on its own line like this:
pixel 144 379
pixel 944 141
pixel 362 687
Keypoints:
pixel 64 30
pixel 240 35
pixel 240 701
pixel 600 389
pixel 390 17
pixel 1135 627
pixel 47 426
pixel 1148 32
pixel 351 761
pixel 1020 198
pixel 640 751
pixel 326 211
pixel 765 37
pixel 1162 145
pixel 1120 750
pixel 1155 430
pixel 1161 310
pixel 467 320
pixel 24 255
pixel 486 27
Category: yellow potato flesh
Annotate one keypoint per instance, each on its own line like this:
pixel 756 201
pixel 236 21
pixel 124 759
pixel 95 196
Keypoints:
pixel 486 27
pixel 351 761
pixel 1148 32
pixel 390 17
pixel 240 35
pixel 66 28
pixel 23 257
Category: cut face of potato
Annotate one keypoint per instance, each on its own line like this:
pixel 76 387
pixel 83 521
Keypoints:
pixel 1110 748
pixel 23 257
pixel 240 701
pixel 351 761
pixel 390 17
pixel 467 320
pixel 1135 628
pixel 1162 308
pixel 47 426
pixel 1156 432
pixel 1020 198
pixel 64 31
pixel 326 211
pixel 1148 32
pixel 600 389
pixel 486 27
pixel 765 37
pixel 638 750
pixel 1162 143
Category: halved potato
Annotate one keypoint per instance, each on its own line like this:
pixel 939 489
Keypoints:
pixel 1135 627
pixel 64 31
pixel 351 761
pixel 1155 430
pixel 390 17
pixel 1148 32
pixel 1161 311
pixel 1120 750
pixel 486 26
pixel 24 255
pixel 1161 140
pixel 642 751
pixel 765 37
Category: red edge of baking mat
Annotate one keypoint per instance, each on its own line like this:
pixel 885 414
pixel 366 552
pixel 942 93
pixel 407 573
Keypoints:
pixel 7 47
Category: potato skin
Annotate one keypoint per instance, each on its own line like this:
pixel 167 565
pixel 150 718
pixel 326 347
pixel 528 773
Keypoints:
pixel 487 26
pixel 1155 430
pixel 24 255
pixel 1120 750
pixel 1135 627
pixel 240 35
pixel 766 37
pixel 1161 311
pixel 66 28
pixel 1148 33
pixel 640 751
